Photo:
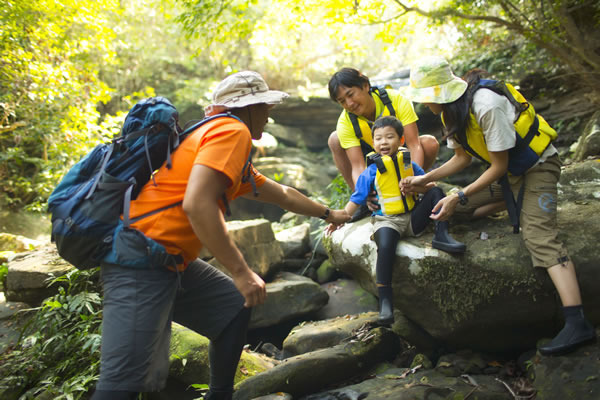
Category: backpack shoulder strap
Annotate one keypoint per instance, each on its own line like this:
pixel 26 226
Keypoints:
pixel 498 87
pixel 385 99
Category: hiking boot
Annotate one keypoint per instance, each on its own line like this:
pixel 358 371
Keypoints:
pixel 386 307
pixel 576 332
pixel 362 212
pixel 443 241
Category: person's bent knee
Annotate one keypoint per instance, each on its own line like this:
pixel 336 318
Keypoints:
pixel 334 142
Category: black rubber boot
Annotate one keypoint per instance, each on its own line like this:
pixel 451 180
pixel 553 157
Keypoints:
pixel 386 305
pixel 362 212
pixel 443 241
pixel 576 332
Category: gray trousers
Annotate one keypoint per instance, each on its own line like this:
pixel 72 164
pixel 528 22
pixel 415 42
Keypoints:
pixel 139 305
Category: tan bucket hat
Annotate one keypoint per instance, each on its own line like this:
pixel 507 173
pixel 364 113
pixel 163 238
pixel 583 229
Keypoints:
pixel 243 89
pixel 432 81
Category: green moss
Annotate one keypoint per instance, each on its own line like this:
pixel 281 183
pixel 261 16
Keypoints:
pixel 457 289
pixel 327 243
pixel 249 366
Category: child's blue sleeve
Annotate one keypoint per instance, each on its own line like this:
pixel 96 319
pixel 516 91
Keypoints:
pixel 364 185
pixel 417 169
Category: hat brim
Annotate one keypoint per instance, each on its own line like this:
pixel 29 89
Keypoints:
pixel 269 97
pixel 439 94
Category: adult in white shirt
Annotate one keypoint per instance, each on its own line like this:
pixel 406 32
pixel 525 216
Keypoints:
pixel 493 122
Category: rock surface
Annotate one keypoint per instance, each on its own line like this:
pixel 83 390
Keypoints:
pixel 309 372
pixel 29 274
pixel 288 296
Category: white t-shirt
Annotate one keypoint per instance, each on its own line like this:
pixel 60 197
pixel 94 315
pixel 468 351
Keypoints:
pixel 496 117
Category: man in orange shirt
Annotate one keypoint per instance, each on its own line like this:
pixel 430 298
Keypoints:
pixel 209 169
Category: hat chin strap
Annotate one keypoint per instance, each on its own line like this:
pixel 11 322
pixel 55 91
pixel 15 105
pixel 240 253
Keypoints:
pixel 250 120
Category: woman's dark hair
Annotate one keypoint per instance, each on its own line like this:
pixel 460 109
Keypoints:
pixel 388 120
pixel 456 114
pixel 348 77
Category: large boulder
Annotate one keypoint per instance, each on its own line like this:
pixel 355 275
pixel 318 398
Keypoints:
pixel 29 274
pixel 490 298
pixel 588 143
pixel 313 371
pixel 308 172
pixel 289 296
pixel 256 241
pixel 314 119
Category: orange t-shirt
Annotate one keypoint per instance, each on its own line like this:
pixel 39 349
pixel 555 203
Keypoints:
pixel 223 145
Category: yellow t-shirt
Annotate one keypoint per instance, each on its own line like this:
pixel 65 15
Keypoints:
pixel 404 112
pixel 223 145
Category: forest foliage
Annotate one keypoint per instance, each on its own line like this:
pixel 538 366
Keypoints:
pixel 71 69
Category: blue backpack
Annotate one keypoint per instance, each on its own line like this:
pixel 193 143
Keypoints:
pixel 87 204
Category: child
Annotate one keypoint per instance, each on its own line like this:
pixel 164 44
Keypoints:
pixel 400 214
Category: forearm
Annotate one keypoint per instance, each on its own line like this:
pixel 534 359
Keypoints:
pixel 351 208
pixel 491 175
pixel 450 167
pixel 289 199
pixel 416 153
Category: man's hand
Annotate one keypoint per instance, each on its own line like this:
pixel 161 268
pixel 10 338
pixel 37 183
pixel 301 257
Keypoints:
pixel 338 217
pixel 251 286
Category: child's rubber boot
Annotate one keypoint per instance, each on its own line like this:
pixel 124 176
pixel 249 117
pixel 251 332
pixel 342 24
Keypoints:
pixel 443 241
pixel 386 305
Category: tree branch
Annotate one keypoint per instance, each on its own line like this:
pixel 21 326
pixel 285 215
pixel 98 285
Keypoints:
pixel 12 127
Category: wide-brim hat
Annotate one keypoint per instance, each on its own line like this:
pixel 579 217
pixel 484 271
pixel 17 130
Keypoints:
pixel 432 81
pixel 243 89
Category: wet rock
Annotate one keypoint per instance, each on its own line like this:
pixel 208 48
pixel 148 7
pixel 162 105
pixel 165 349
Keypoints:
pixel 310 336
pixel 288 296
pixel 411 384
pixel 29 274
pixel 464 362
pixel 256 240
pixel 346 297
pixel 572 376
pixel 311 372
pixel 294 241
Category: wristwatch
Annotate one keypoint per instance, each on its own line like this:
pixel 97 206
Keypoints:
pixel 462 199
pixel 326 215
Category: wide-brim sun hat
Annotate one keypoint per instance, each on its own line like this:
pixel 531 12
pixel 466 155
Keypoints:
pixel 432 81
pixel 243 89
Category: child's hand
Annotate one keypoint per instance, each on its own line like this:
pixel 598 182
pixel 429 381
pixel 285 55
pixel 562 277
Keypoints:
pixel 372 202
pixel 329 229
pixel 339 217
pixel 412 185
